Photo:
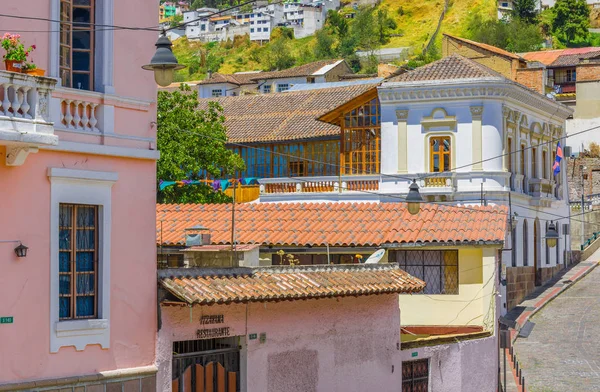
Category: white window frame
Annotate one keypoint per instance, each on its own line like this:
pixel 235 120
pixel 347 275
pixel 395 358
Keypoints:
pixel 267 89
pixel 280 87
pixel 216 90
pixel 69 186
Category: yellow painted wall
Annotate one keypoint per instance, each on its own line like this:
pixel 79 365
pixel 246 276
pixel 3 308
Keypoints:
pixel 477 280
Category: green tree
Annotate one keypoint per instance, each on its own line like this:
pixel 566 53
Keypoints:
pixel 176 20
pixel 192 141
pixel 337 23
pixel 525 10
pixel 514 35
pixel 324 46
pixel 279 55
pixel 384 25
pixel 197 4
pixel 571 21
pixel 364 29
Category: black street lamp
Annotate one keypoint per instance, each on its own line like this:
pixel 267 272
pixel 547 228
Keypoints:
pixel 163 63
pixel 413 199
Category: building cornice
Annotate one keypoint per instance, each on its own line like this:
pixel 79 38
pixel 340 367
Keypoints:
pixel 481 88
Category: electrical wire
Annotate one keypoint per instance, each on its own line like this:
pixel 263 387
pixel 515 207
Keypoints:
pixel 108 27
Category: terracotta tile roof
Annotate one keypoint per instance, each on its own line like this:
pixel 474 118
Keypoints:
pixel 487 47
pixel 554 58
pixel 284 116
pixel 571 60
pixel 453 67
pixel 336 224
pixel 259 284
pixel 295 72
pixel 237 79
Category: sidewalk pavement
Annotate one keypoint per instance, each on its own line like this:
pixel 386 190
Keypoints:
pixel 541 296
pixel 535 301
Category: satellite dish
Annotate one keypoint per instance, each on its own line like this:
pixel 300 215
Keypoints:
pixel 375 257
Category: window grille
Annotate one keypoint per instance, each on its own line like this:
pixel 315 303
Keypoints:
pixel 437 268
pixel 415 376
pixel 78 261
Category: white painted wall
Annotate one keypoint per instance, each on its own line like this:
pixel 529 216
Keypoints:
pixel 205 90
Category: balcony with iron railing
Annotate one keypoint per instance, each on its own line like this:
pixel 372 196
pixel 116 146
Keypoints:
pixel 25 123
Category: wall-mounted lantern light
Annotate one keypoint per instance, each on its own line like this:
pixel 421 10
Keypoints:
pixel 414 199
pixel 551 235
pixel 21 250
pixel 163 63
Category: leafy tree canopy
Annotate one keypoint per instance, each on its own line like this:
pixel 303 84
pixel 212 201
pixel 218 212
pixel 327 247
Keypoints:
pixel 514 35
pixel 192 144
pixel 571 21
pixel 525 10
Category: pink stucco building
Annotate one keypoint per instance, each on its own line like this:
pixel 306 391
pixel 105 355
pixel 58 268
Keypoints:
pixel 77 174
pixel 270 329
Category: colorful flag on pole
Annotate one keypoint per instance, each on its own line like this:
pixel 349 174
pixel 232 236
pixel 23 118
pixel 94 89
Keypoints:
pixel 559 157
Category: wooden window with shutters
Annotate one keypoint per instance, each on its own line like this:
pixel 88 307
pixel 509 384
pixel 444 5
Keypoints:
pixel 77 43
pixel 440 154
pixel 78 261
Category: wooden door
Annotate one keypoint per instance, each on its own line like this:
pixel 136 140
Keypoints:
pixel 209 378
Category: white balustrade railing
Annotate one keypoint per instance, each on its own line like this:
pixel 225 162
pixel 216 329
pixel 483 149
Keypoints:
pixel 24 98
pixel 80 115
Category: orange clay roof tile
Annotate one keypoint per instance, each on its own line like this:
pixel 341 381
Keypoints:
pixel 276 283
pixel 334 224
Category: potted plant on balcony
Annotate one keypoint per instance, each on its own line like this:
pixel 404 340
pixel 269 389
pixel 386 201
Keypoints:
pixel 16 54
pixel 32 69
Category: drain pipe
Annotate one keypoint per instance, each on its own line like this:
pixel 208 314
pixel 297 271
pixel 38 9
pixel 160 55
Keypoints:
pixel 328 260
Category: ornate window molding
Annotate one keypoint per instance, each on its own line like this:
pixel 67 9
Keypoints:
pixel 81 187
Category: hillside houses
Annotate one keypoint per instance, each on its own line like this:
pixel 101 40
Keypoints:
pixel 304 17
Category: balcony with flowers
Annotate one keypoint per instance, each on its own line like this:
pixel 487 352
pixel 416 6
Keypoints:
pixel 25 123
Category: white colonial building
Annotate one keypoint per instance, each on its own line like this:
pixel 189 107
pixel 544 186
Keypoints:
pixel 470 136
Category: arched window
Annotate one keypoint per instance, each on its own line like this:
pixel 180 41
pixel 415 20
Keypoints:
pixel 439 154
pixel 525 244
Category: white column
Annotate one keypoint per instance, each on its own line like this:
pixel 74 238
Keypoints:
pixel 402 116
pixel 476 116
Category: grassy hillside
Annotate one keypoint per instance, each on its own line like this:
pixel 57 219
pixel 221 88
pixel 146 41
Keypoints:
pixel 416 21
